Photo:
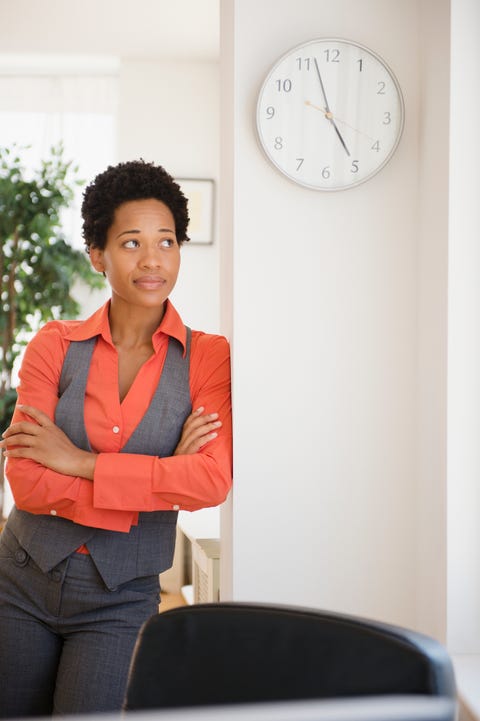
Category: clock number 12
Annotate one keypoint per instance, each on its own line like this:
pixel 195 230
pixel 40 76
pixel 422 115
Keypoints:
pixel 332 55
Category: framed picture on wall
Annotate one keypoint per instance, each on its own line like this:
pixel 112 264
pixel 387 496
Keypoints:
pixel 199 193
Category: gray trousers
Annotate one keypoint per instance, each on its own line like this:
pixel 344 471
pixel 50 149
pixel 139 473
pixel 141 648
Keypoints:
pixel 65 640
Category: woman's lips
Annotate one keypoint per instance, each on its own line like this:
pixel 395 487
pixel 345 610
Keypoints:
pixel 149 282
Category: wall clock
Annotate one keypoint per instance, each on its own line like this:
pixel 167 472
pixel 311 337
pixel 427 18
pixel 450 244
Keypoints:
pixel 330 114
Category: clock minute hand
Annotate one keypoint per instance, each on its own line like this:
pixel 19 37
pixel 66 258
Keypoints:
pixel 321 85
pixel 328 113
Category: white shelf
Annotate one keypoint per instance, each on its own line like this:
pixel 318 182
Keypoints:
pixel 200 524
pixel 187 593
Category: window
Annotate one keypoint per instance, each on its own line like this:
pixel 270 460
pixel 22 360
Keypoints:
pixel 44 101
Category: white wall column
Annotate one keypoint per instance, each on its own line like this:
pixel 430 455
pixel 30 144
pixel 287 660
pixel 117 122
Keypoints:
pixel 464 333
pixel 325 336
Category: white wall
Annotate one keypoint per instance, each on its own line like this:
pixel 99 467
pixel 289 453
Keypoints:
pixel 329 306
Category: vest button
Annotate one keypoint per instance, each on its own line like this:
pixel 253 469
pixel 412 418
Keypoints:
pixel 21 556
pixel 176 507
pixel 53 512
pixel 116 429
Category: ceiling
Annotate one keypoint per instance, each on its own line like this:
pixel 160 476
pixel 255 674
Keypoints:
pixel 142 29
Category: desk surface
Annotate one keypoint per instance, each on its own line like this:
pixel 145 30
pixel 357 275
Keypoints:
pixel 382 708
pixel 400 708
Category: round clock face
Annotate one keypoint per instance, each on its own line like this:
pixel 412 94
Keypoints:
pixel 330 114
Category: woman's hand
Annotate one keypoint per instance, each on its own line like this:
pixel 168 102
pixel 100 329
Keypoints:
pixel 42 441
pixel 197 430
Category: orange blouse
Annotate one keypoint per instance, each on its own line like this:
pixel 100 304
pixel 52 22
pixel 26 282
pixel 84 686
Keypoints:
pixel 124 483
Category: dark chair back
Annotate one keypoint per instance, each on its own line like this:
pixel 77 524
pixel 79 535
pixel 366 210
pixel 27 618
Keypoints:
pixel 227 653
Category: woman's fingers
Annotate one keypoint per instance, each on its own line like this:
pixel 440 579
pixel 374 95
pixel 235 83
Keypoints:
pixel 199 426
pixel 37 415
pixel 18 439
pixel 196 422
pixel 42 441
pixel 197 430
pixel 25 427
pixel 42 420
pixel 196 418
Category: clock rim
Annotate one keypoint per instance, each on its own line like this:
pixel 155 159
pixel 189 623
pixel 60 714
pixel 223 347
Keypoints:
pixel 380 59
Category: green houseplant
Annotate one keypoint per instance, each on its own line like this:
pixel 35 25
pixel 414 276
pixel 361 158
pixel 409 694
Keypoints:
pixel 37 265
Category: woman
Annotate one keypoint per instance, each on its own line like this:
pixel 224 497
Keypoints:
pixel 121 421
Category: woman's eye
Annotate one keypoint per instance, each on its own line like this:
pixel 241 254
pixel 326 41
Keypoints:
pixel 132 243
pixel 167 242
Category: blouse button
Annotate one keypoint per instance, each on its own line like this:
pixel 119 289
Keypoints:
pixel 53 512
pixel 116 429
pixel 176 507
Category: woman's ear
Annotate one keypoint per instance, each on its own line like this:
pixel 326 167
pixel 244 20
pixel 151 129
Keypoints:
pixel 96 259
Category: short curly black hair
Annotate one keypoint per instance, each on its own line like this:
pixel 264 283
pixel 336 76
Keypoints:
pixel 133 180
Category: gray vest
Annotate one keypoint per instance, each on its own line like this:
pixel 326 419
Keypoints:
pixel 148 548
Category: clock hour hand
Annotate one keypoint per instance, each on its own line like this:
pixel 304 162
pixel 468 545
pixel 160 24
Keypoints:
pixel 328 112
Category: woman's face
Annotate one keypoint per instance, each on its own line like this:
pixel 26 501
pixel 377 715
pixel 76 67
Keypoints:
pixel 141 258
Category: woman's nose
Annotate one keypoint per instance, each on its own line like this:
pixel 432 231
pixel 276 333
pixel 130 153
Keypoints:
pixel 150 258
